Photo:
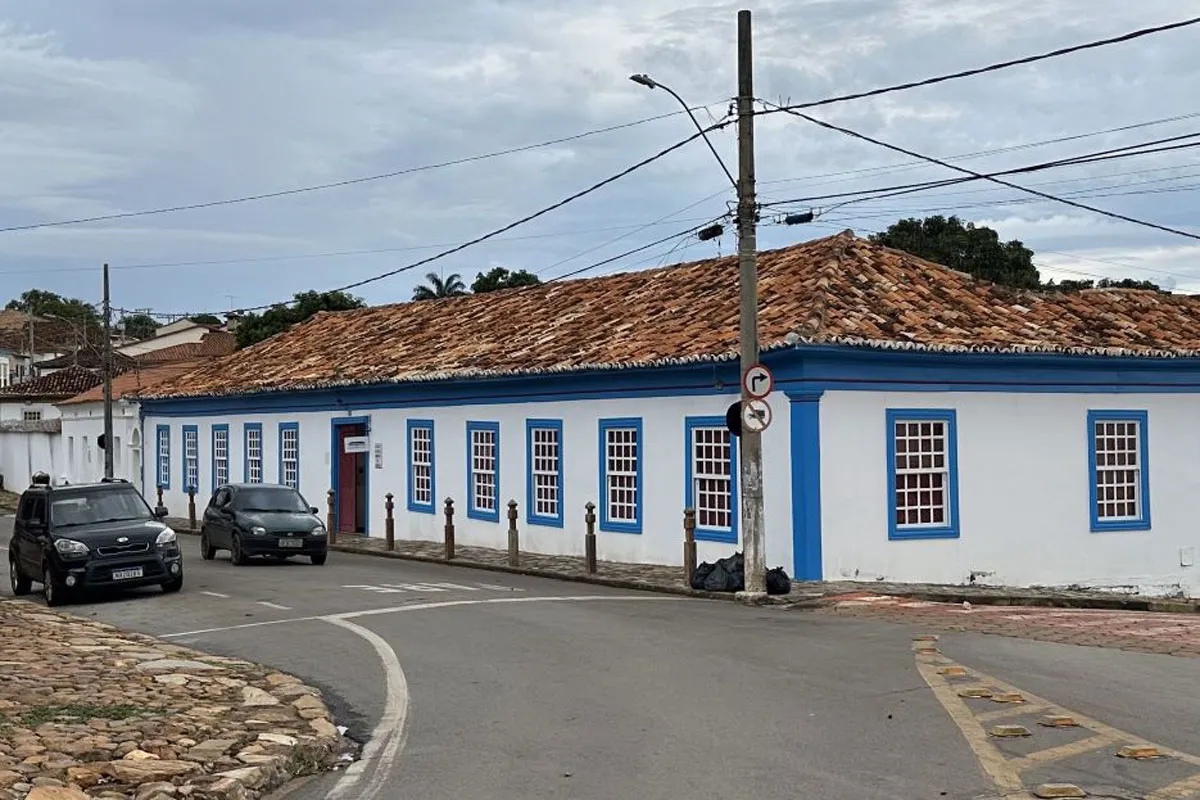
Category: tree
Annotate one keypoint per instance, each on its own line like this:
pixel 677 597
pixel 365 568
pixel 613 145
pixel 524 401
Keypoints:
pixel 1104 283
pixel 205 319
pixel 49 304
pixel 968 248
pixel 452 286
pixel 139 326
pixel 500 278
pixel 279 317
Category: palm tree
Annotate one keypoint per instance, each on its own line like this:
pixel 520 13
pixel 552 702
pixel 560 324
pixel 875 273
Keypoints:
pixel 451 286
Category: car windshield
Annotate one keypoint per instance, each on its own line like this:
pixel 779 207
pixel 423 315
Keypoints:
pixel 270 498
pixel 96 507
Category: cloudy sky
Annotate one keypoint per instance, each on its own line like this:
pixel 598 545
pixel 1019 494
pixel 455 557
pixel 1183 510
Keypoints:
pixel 111 106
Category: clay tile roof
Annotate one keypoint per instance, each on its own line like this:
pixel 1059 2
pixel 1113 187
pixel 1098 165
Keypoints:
pixel 49 335
pixel 92 358
pixel 134 382
pixel 838 290
pixel 214 344
pixel 62 384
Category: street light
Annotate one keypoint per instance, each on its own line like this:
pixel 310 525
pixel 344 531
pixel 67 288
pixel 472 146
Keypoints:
pixel 645 80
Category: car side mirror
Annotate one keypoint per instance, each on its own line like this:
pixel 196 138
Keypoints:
pixel 314 510
pixel 160 512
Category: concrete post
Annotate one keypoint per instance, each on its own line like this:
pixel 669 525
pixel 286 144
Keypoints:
pixel 514 538
pixel 160 497
pixel 589 538
pixel 192 507
pixel 330 522
pixel 689 544
pixel 449 529
pixel 390 527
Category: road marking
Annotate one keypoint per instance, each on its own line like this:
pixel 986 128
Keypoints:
pixel 425 588
pixel 1014 710
pixel 387 739
pixel 243 626
pixel 216 594
pixel 1188 787
pixel 275 606
pixel 1063 751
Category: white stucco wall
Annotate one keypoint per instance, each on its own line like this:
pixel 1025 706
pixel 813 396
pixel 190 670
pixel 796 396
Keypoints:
pixel 15 410
pixel 22 454
pixel 164 340
pixel 82 459
pixel 663 471
pixel 1023 494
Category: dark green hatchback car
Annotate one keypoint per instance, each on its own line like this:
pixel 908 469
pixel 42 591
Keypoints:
pixel 258 519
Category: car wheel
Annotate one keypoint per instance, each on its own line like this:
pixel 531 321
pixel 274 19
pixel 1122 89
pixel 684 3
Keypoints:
pixel 170 587
pixel 236 556
pixel 53 590
pixel 207 551
pixel 319 559
pixel 20 584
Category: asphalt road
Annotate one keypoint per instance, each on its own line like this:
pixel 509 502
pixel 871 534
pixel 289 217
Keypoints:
pixel 485 685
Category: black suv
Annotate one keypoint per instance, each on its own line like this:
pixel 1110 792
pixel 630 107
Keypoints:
pixel 90 536
pixel 260 519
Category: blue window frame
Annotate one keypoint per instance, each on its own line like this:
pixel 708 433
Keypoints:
pixel 1119 470
pixel 252 461
pixel 710 486
pixel 289 454
pixel 220 456
pixel 422 485
pixel 483 471
pixel 544 472
pixel 922 473
pixel 191 458
pixel 162 436
pixel 621 447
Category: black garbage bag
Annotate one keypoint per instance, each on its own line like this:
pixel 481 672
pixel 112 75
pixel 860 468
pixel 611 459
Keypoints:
pixel 701 574
pixel 727 575
pixel 778 581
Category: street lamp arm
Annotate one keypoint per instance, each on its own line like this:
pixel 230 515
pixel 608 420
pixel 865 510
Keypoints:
pixel 650 83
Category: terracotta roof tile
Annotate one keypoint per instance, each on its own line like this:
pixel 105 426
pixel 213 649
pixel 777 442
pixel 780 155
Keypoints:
pixel 838 290
pixel 49 335
pixel 63 383
pixel 215 343
pixel 91 358
pixel 134 382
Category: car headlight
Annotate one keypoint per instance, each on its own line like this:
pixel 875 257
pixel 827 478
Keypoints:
pixel 258 530
pixel 319 530
pixel 165 537
pixel 70 547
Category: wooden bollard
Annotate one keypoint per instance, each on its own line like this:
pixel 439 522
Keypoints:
pixel 449 529
pixel 689 544
pixel 330 522
pixel 514 538
pixel 160 497
pixel 589 538
pixel 192 507
pixel 390 524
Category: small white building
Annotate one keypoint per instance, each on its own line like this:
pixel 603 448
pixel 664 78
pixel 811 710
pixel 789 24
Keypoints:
pixel 926 427
pixel 30 424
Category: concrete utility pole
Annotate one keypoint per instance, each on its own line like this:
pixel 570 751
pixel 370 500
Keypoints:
pixel 107 369
pixel 29 376
pixel 753 523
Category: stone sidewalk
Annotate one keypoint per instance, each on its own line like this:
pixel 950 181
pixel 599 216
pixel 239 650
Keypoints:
pixel 89 711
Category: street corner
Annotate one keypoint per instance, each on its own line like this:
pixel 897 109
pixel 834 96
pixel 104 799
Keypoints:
pixel 1029 746
pixel 91 711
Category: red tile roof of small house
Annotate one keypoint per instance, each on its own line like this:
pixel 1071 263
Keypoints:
pixel 57 385
pixel 132 383
pixel 49 335
pixel 214 343
pixel 839 290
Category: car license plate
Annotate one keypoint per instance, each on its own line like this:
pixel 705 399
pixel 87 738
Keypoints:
pixel 295 543
pixel 127 574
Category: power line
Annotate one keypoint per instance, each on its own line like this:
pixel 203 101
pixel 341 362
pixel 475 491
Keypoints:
pixel 964 170
pixel 639 249
pixel 338 184
pixel 1125 37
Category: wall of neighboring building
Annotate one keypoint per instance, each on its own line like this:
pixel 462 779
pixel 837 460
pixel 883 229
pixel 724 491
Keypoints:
pixel 663 469
pixel 186 335
pixel 82 425
pixel 22 453
pixel 11 410
pixel 1024 505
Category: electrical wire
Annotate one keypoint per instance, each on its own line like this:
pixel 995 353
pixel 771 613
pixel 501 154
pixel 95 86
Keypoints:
pixel 687 233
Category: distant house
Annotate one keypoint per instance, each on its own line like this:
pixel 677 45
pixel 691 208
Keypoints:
pixel 183 332
pixel 30 424
pixel 19 332
pixel 926 426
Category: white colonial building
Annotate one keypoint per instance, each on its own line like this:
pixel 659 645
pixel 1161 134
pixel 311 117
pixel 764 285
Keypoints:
pixel 926 426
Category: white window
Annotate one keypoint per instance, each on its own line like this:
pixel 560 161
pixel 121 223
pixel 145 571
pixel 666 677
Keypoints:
pixel 545 472
pixel 921 476
pixel 712 478
pixel 164 456
pixel 254 455
pixel 289 455
pixel 191 459
pixel 421 466
pixel 31 416
pixel 3 374
pixel 621 443
pixel 1120 483
pixel 483 488
pixel 220 456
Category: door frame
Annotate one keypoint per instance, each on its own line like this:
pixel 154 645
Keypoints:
pixel 335 471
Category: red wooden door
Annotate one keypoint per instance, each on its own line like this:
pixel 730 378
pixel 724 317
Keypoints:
pixel 349 478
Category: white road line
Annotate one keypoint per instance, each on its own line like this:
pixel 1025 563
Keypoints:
pixel 371 612
pixel 498 588
pixel 275 606
pixel 216 594
pixel 243 626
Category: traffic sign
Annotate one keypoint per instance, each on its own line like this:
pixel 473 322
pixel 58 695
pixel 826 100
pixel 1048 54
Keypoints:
pixel 756 416
pixel 758 381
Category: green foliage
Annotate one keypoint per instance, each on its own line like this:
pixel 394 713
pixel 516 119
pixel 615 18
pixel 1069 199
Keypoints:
pixel 1103 283
pixel 500 278
pixel 49 304
pixel 438 287
pixel 139 326
pixel 205 319
pixel 256 327
pixel 82 712
pixel 977 251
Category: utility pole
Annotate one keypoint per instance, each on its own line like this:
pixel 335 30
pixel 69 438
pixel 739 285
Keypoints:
pixel 107 369
pixel 31 319
pixel 753 523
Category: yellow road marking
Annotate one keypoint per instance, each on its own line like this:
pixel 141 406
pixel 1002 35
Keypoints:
pixel 1188 787
pixel 1018 710
pixel 1062 751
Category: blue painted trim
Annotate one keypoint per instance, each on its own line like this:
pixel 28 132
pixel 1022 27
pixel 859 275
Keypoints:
pixel 690 424
pixel 228 452
pixel 288 426
pixel 531 514
pixel 335 465
pixel 158 457
pixel 805 410
pixel 413 505
pixel 951 529
pixel 472 512
pixel 183 458
pixel 605 523
pixel 1143 419
pixel 262 466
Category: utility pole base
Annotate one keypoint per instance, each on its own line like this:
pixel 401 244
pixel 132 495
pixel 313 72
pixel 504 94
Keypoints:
pixel 751 598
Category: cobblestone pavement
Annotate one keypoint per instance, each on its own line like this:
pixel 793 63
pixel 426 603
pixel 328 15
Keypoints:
pixel 89 711
pixel 1146 632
